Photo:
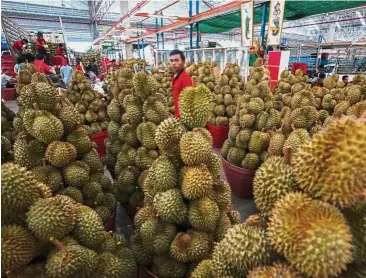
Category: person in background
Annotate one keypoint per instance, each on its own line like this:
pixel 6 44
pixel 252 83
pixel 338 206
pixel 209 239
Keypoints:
pixel 91 74
pixel 41 66
pixel 79 65
pixel 66 73
pixel 60 50
pixel 111 64
pixel 94 67
pixel 18 46
pixel 345 80
pixel 19 65
pixel 319 81
pixel 180 79
pixel 5 79
pixel 41 46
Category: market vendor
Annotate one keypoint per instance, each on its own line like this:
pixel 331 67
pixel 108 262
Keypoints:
pixel 42 47
pixel 19 46
pixel 180 79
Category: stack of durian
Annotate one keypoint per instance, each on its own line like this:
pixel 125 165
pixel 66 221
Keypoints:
pixel 226 93
pixel 287 86
pixel 249 134
pixel 119 85
pixel 203 73
pixel 89 103
pixel 51 143
pixel 131 61
pixel 187 207
pixel 165 82
pixel 43 235
pixel 312 222
pixel 7 117
pixel 139 113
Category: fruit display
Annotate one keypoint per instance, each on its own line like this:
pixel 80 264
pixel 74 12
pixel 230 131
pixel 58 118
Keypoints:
pixel 46 235
pixel 187 207
pixel 135 112
pixel 128 63
pixel 88 57
pixel 88 102
pixel 311 222
pixel 202 73
pixel 7 117
pixel 166 85
pixel 53 145
pixel 249 136
pixel 226 94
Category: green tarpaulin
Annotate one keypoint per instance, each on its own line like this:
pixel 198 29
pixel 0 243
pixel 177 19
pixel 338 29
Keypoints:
pixel 293 10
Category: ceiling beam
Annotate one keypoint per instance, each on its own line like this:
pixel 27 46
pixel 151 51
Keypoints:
pixel 217 11
pixel 130 13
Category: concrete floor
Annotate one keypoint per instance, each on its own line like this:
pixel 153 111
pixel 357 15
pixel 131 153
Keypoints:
pixel 245 207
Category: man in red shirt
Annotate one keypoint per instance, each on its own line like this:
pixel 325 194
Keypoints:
pixel 41 46
pixel 17 46
pixel 180 79
pixel 41 66
pixel 60 50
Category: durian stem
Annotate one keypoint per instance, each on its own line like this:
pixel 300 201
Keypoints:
pixel 287 158
pixel 58 244
pixel 42 193
pixel 44 162
pixel 36 106
pixel 293 127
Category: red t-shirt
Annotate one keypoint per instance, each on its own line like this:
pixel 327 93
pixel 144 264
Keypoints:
pixel 60 51
pixel 181 81
pixel 40 41
pixel 41 67
pixel 18 45
pixel 79 67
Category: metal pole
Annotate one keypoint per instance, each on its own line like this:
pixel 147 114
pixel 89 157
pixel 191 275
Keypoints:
pixel 65 40
pixel 263 25
pixel 197 25
pixel 157 34
pixel 138 45
pixel 191 29
pixel 143 43
pixel 162 34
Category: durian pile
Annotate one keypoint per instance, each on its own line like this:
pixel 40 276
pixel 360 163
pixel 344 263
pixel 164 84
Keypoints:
pixel 203 73
pixel 187 207
pixel 131 149
pixel 165 82
pixel 226 93
pixel 313 212
pixel 249 136
pixel 54 236
pixel 7 117
pixel 52 144
pixel 89 103
pixel 128 63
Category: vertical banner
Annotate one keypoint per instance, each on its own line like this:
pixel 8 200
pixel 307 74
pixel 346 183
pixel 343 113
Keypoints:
pixel 276 13
pixel 247 24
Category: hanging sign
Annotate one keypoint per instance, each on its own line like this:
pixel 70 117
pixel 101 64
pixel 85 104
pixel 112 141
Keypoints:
pixel 276 13
pixel 247 24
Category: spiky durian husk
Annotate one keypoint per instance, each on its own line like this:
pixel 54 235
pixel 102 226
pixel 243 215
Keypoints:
pixel 332 165
pixel 280 270
pixel 195 106
pixel 304 230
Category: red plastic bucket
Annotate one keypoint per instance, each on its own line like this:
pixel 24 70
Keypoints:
pixel 219 134
pixel 240 180
pixel 99 138
pixel 8 94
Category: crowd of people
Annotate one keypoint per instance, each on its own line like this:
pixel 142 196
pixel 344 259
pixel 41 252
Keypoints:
pixel 43 63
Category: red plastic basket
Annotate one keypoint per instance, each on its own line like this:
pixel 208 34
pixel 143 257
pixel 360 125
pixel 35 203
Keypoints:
pixel 99 138
pixel 240 180
pixel 219 134
pixel 8 94
pixel 111 224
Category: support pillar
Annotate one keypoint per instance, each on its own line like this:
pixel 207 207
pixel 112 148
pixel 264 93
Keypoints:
pixel 197 25
pixel 264 19
pixel 191 30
